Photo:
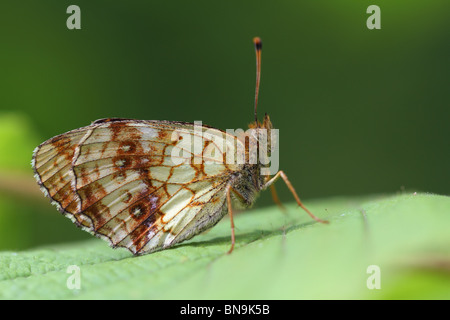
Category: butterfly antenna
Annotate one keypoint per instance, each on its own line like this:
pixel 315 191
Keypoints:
pixel 258 47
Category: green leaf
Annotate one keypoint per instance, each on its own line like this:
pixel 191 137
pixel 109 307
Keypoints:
pixel 276 257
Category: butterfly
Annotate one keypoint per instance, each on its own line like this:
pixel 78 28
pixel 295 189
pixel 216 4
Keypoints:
pixel 139 185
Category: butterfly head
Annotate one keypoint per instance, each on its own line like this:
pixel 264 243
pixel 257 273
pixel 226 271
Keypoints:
pixel 266 124
pixel 261 142
pixel 262 132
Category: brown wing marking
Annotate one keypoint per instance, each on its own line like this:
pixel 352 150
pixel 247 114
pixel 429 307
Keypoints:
pixel 205 197
pixel 150 235
pixel 53 171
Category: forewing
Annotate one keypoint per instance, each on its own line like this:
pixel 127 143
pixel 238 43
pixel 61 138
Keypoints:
pixel 135 183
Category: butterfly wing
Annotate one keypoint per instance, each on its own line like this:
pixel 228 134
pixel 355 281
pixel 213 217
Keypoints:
pixel 139 184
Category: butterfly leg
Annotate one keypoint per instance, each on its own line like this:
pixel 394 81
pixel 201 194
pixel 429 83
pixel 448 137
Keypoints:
pixel 275 198
pixel 230 213
pixel 294 193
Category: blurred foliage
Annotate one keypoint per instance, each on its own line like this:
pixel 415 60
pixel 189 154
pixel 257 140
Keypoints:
pixel 26 217
pixel 275 258
pixel 17 141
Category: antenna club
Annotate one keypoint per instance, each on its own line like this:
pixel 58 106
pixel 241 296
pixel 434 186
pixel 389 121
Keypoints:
pixel 258 43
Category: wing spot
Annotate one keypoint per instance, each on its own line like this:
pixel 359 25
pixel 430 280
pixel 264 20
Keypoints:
pixel 128 197
pixel 127 146
pixel 137 210
pixel 120 176
pixel 122 163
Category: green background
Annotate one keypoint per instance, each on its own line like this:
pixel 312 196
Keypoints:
pixel 359 111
